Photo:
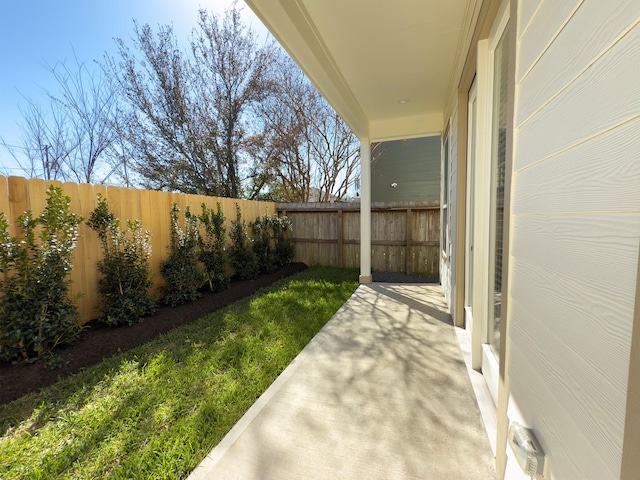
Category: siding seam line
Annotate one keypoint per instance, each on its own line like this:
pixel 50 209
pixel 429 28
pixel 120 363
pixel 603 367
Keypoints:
pixel 535 14
pixel 544 326
pixel 590 213
pixel 553 39
pixel 580 142
pixel 595 60
pixel 533 370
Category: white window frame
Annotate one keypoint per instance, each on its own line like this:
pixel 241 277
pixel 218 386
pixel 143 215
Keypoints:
pixel 445 221
pixel 490 364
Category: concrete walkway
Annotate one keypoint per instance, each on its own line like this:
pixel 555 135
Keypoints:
pixel 382 392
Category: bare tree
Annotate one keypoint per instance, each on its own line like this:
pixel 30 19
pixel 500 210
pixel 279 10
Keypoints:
pixel 288 161
pixel 190 123
pixel 312 154
pixel 73 139
pixel 90 105
pixel 337 151
pixel 45 145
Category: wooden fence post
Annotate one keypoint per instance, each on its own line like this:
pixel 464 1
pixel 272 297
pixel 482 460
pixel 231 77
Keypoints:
pixel 340 239
pixel 407 249
pixel 324 235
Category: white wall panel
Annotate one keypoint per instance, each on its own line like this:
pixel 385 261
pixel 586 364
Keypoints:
pixel 602 174
pixel 555 427
pixel 595 327
pixel 549 19
pixel 592 251
pixel 526 11
pixel 595 26
pixel 603 97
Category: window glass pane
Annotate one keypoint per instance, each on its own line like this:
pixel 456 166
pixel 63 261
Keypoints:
pixel 445 201
pixel 498 155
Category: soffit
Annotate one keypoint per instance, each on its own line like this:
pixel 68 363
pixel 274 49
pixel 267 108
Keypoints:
pixel 365 56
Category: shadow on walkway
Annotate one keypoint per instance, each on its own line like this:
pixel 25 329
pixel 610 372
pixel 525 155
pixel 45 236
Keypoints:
pixel 382 392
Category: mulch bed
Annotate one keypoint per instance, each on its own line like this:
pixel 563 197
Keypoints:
pixel 101 341
pixel 394 277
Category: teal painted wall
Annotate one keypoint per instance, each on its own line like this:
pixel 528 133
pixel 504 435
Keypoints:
pixel 413 165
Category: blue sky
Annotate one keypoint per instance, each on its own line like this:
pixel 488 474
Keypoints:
pixel 36 32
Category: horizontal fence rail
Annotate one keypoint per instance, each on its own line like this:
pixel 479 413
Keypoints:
pixel 405 236
pixel 152 208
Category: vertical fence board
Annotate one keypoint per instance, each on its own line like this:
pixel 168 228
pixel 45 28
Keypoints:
pixel 340 221
pixel 5 206
pixel 18 199
pixel 77 275
pixel 229 209
pixel 134 199
pixel 408 250
pixel 36 193
pixel 91 254
pixel 160 228
pixel 152 208
pixel 404 235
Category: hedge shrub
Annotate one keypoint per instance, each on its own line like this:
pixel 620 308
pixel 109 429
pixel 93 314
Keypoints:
pixel 37 312
pixel 284 246
pixel 243 259
pixel 182 271
pixel 212 247
pixel 126 274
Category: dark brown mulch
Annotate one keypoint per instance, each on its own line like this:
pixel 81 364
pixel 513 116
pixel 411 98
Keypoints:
pixel 100 341
pixel 395 277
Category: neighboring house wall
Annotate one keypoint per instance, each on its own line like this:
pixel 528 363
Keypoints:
pixel 575 228
pixel 413 165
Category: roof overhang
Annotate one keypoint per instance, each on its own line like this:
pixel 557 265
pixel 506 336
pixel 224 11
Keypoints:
pixel 387 67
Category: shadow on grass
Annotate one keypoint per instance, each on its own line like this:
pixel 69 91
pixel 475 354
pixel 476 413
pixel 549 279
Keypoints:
pixel 167 403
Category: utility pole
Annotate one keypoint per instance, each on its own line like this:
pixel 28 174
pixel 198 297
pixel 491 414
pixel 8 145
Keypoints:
pixel 47 166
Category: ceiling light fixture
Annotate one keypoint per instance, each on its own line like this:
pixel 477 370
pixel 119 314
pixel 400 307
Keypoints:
pixel 403 101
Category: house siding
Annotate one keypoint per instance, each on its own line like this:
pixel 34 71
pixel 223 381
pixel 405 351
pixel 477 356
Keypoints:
pixel 412 164
pixel 575 229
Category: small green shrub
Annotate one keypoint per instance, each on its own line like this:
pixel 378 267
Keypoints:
pixel 242 257
pixel 272 242
pixel 181 270
pixel 263 245
pixel 212 247
pixel 126 274
pixel 36 310
pixel 284 246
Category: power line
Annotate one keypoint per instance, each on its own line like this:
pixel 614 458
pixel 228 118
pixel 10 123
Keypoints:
pixel 20 147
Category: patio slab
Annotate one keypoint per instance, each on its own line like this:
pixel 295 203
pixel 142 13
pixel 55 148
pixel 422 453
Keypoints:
pixel 382 392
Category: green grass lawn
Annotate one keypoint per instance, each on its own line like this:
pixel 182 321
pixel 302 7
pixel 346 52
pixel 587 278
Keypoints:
pixel 156 411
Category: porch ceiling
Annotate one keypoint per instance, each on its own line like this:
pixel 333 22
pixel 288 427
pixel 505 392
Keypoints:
pixel 368 57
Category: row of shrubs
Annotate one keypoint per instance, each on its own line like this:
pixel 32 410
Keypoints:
pixel 37 312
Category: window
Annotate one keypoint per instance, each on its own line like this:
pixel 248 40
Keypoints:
pixel 498 157
pixel 445 196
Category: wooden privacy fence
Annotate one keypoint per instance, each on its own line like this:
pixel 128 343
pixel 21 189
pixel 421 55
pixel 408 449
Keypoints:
pixel 152 208
pixel 405 236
